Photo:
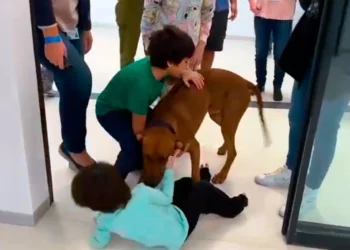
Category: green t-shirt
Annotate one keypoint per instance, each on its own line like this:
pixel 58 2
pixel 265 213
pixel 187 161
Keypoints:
pixel 133 88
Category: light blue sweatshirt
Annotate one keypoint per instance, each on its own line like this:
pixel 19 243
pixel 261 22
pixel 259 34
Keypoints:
pixel 149 218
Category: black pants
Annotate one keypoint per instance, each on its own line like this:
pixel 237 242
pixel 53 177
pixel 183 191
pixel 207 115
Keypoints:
pixel 205 198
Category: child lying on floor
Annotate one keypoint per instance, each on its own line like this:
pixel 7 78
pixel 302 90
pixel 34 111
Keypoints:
pixel 155 217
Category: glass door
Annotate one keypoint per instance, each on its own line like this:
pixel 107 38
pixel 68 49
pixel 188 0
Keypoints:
pixel 318 206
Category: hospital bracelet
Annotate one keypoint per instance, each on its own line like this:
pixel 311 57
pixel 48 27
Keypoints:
pixel 53 39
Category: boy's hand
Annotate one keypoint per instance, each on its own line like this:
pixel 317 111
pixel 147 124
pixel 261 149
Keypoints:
pixel 195 77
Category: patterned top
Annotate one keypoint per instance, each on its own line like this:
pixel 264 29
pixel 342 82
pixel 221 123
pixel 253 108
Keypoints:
pixel 192 16
pixel 277 9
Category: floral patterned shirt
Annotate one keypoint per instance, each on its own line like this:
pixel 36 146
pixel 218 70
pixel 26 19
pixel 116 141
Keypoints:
pixel 192 16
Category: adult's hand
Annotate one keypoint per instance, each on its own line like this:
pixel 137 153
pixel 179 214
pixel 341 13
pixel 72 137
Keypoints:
pixel 234 10
pixel 254 6
pixel 87 41
pixel 197 57
pixel 55 53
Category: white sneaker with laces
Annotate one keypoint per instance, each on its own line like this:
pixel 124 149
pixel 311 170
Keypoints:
pixel 279 178
pixel 308 203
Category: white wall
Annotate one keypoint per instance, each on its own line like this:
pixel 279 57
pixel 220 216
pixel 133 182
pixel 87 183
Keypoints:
pixel 23 182
pixel 102 12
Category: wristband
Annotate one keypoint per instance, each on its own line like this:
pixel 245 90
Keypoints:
pixel 53 39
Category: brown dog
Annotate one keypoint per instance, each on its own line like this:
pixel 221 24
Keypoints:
pixel 177 118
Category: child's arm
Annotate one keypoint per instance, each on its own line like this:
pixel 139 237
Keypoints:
pixel 164 194
pixel 138 124
pixel 151 8
pixel 101 237
pixel 207 13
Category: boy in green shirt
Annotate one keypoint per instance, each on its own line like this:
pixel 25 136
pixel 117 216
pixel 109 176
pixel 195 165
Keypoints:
pixel 123 105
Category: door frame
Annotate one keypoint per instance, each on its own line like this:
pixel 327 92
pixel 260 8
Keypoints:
pixel 41 106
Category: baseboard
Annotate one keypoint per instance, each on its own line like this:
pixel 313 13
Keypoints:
pixel 19 219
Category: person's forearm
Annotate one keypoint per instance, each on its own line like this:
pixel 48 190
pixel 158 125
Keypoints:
pixel 232 2
pixel 167 184
pixel 138 123
pixel 207 14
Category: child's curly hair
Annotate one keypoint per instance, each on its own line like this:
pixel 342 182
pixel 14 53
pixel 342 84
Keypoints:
pixel 100 188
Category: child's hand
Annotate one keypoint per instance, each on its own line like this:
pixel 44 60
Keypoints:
pixel 195 77
pixel 171 162
pixel 179 152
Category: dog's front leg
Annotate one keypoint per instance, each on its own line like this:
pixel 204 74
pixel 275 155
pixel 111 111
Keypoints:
pixel 194 151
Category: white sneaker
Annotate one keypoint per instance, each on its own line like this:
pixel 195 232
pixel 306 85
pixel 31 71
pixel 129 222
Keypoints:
pixel 279 178
pixel 308 203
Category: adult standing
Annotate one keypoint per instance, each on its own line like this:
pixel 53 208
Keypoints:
pixel 272 17
pixel 215 42
pixel 297 61
pixel 128 14
pixel 63 37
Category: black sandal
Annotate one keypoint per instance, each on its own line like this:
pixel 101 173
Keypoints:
pixel 75 167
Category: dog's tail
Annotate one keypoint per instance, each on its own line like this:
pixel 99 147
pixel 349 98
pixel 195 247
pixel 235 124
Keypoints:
pixel 256 92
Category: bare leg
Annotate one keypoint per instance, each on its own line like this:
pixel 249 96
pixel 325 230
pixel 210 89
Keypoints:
pixel 208 59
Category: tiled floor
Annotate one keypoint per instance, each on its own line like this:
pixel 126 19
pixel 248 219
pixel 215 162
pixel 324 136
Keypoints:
pixel 258 228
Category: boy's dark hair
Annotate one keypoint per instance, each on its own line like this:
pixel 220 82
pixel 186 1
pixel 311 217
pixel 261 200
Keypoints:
pixel 100 188
pixel 169 45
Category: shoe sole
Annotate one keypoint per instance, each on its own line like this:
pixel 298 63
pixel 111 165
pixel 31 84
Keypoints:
pixel 286 185
pixel 71 164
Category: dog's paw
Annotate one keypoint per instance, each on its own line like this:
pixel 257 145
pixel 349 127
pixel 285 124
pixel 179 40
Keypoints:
pixel 222 150
pixel 219 178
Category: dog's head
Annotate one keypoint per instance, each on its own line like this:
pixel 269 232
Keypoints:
pixel 158 144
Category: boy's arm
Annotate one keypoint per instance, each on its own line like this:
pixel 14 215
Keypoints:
pixel 138 104
pixel 151 8
pixel 164 194
pixel 207 13
pixel 138 124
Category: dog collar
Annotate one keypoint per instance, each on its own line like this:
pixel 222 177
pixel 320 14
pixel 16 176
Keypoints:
pixel 162 124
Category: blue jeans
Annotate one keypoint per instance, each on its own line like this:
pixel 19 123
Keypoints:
pixel 280 31
pixel 74 85
pixel 332 111
pixel 118 124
